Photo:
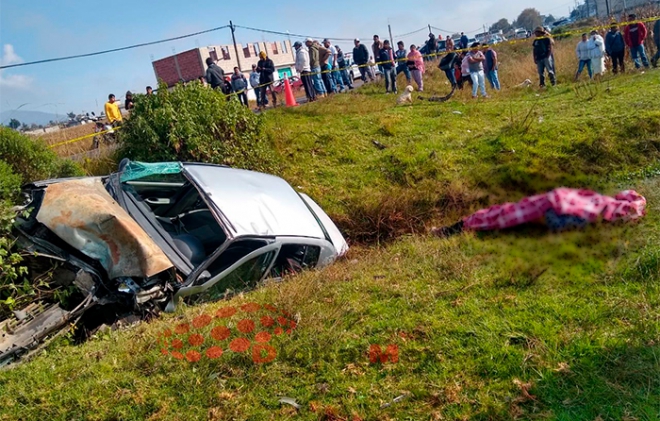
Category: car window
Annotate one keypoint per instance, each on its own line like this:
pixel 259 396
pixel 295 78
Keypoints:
pixel 235 252
pixel 294 258
pixel 246 276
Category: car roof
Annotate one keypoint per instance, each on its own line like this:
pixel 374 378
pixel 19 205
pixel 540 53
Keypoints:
pixel 255 204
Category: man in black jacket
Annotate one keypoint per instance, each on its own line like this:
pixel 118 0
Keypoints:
pixel 266 70
pixel 543 55
pixel 215 76
pixel 656 39
pixel 361 58
pixel 615 47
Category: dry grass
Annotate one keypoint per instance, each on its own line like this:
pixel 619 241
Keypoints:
pixel 70 133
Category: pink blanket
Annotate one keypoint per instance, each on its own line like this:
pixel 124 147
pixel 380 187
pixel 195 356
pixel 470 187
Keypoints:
pixel 584 204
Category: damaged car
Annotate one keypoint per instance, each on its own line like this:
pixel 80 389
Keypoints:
pixel 136 242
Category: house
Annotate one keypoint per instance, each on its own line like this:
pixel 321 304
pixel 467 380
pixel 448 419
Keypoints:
pixel 191 65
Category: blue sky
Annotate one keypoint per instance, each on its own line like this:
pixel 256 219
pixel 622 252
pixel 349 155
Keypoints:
pixel 40 29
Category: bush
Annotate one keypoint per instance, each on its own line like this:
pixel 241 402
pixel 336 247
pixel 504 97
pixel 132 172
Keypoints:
pixel 194 123
pixel 31 159
pixel 10 183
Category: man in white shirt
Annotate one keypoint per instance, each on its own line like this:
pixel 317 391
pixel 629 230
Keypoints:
pixel 304 70
pixel 584 55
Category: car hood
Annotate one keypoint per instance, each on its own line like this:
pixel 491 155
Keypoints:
pixel 83 214
pixel 254 203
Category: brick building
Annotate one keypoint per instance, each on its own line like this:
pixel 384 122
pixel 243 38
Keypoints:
pixel 191 65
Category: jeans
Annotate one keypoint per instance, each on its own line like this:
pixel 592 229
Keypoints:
pixel 318 81
pixel 403 67
pixel 542 66
pixel 263 94
pixel 478 82
pixel 638 52
pixel 310 92
pixel 494 80
pixel 618 60
pixel 365 71
pixel 451 75
pixel 581 67
pixel 417 76
pixel 242 96
pixel 390 79
pixel 328 80
pixel 257 93
pixel 346 78
pixel 336 74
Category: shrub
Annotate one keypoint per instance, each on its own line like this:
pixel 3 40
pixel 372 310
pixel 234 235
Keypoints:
pixel 10 183
pixel 194 123
pixel 32 159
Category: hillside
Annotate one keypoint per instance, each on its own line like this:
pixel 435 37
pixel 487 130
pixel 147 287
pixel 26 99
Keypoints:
pixel 520 324
pixel 31 117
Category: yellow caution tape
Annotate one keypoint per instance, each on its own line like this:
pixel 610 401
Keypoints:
pixel 78 139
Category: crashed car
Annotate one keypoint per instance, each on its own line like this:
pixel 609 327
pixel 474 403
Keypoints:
pixel 140 240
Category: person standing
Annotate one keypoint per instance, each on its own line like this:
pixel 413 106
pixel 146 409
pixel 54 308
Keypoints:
pixel 128 101
pixel 450 43
pixel 463 43
pixel 386 59
pixel 656 39
pixel 476 59
pixel 304 70
pixel 150 91
pixel 375 48
pixel 315 65
pixel 401 56
pixel 615 47
pixel 215 76
pixel 326 76
pixel 335 77
pixel 361 58
pixel 543 47
pixel 416 65
pixel 597 53
pixel 584 57
pixel 635 34
pixel 266 69
pixel 112 112
pixel 254 83
pixel 491 65
pixel 447 64
pixel 432 44
pixel 239 84
pixel 343 68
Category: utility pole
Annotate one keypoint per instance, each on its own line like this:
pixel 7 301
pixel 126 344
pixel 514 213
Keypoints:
pixel 607 7
pixel 233 37
pixel 176 64
pixel 625 7
pixel 389 28
pixel 430 29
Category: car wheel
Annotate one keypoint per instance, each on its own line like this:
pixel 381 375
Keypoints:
pixel 351 77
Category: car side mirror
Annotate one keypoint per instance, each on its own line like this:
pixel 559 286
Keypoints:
pixel 203 277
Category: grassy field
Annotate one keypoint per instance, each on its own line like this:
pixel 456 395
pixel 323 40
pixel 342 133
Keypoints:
pixel 521 324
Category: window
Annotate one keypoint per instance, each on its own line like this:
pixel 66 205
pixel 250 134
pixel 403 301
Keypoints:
pixel 257 49
pixel 233 254
pixel 225 53
pixel 274 47
pixel 294 258
pixel 246 51
pixel 213 54
pixel 246 276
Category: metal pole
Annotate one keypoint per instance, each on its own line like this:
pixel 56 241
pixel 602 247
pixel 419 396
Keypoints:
pixel 389 28
pixel 233 37
pixel 607 7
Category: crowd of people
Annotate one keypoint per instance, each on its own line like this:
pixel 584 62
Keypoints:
pixel 323 67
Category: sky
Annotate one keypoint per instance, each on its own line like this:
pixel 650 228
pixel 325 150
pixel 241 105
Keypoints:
pixel 42 29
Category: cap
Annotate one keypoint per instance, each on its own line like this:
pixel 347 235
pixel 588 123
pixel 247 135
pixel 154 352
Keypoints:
pixel 336 46
pixel 474 44
pixel 309 40
pixel 263 54
pixel 357 40
pixel 297 44
pixel 325 40
pixel 539 29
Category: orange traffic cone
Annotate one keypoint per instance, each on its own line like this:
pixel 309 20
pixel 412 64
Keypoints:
pixel 288 94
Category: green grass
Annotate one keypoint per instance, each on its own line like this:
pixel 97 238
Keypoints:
pixel 521 324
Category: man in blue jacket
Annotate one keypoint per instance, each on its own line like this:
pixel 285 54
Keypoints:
pixel 615 48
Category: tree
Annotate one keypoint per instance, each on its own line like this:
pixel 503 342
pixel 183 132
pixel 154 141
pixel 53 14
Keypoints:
pixel 529 19
pixel 501 25
pixel 14 124
pixel 549 20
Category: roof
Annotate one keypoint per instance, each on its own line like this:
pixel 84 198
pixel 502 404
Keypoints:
pixel 255 203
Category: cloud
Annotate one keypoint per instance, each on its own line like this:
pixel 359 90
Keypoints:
pixel 9 56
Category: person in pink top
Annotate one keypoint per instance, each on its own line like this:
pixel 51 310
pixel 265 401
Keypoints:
pixel 416 66
pixel 450 43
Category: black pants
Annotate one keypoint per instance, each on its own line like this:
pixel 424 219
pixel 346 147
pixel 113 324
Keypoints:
pixel 308 85
pixel 242 96
pixel 617 60
pixel 326 81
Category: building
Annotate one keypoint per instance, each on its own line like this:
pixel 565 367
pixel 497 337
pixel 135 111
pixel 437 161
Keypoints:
pixel 605 8
pixel 191 65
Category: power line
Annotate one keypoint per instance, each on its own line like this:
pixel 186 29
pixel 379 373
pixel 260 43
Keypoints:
pixel 410 33
pixel 97 53
pixel 267 31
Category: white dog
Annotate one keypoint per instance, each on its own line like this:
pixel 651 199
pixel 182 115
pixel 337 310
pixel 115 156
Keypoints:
pixel 526 84
pixel 406 96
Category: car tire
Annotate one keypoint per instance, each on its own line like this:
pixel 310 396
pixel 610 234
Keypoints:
pixel 350 75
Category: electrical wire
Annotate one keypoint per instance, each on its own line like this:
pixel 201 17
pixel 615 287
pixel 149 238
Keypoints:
pixel 267 31
pixel 144 44
pixel 410 33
